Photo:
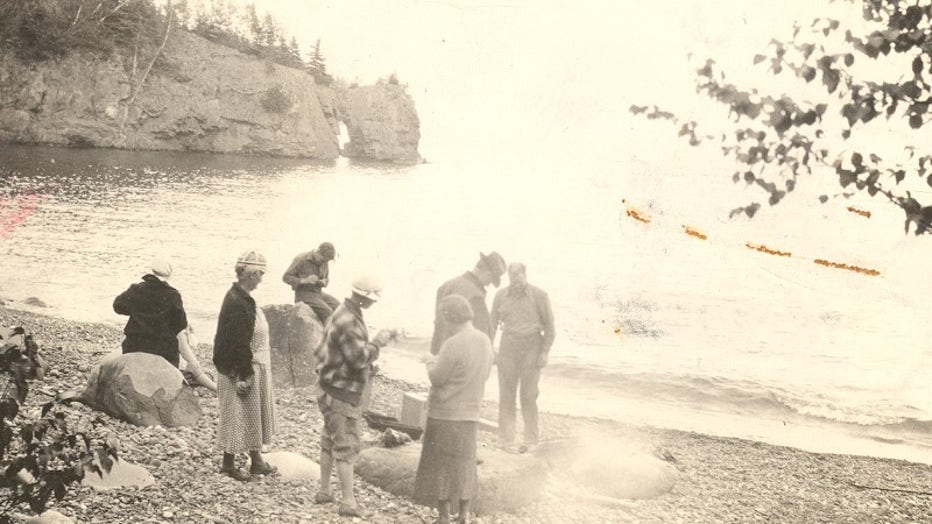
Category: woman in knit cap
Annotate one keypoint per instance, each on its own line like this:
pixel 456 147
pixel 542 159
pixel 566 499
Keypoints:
pixel 244 385
pixel 447 469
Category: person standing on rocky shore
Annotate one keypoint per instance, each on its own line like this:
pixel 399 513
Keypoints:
pixel 471 286
pixel 308 274
pixel 342 386
pixel 244 384
pixel 528 332
pixel 157 319
pixel 447 468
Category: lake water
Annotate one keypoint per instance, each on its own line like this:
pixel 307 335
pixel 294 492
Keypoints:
pixel 654 326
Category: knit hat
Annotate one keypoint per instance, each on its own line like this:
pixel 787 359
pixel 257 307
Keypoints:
pixel 161 268
pixel 251 260
pixel 367 286
pixel 455 309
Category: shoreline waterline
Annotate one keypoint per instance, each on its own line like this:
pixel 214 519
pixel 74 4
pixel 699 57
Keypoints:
pixel 401 363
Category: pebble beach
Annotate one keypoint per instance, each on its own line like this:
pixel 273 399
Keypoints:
pixel 721 479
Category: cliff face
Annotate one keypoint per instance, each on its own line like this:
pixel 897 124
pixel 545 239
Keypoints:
pixel 200 96
pixel 382 124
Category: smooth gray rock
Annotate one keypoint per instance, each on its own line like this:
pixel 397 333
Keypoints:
pixel 507 481
pixel 121 475
pixel 294 466
pixel 142 389
pixel 49 517
pixel 295 334
pixel 610 466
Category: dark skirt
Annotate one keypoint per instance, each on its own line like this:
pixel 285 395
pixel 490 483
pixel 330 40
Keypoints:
pixel 447 469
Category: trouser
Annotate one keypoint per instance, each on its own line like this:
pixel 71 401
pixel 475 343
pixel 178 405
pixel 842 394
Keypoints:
pixel 518 369
pixel 322 304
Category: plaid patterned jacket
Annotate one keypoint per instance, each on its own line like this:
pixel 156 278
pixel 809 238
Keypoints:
pixel 347 354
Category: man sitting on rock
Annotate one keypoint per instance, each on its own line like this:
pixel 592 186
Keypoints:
pixel 308 274
pixel 156 315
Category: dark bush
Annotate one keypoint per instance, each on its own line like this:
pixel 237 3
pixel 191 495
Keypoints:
pixel 275 100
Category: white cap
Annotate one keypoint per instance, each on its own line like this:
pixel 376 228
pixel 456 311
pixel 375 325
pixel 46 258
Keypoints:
pixel 161 268
pixel 367 286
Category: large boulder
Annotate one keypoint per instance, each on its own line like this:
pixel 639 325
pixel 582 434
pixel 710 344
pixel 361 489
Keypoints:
pixel 142 389
pixel 610 467
pixel 507 481
pixel 295 334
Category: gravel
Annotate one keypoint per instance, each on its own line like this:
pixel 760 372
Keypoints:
pixel 722 479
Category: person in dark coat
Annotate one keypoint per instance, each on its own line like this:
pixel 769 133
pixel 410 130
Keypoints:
pixel 242 356
pixel 156 314
pixel 471 286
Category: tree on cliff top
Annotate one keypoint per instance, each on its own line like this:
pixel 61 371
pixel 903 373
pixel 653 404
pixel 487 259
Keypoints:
pixel 775 138
pixel 43 29
pixel 317 66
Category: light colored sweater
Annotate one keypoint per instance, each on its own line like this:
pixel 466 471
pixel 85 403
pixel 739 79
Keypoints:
pixel 458 376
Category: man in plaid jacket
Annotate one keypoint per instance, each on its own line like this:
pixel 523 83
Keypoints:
pixel 348 356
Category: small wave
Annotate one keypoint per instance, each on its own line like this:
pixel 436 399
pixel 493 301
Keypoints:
pixel 706 392
pixel 742 397
pixel 909 425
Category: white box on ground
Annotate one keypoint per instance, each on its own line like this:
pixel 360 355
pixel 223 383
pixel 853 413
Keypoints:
pixel 414 409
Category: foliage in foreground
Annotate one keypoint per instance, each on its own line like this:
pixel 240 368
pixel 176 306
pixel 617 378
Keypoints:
pixel 41 458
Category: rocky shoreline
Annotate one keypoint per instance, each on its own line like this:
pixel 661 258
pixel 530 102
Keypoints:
pixel 722 479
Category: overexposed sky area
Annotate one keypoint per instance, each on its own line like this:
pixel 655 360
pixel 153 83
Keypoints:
pixel 523 79
pixel 562 71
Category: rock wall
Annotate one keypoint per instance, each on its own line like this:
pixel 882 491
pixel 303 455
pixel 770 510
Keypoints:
pixel 200 96
pixel 382 124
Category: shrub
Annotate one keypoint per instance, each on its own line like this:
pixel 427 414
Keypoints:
pixel 40 459
pixel 275 100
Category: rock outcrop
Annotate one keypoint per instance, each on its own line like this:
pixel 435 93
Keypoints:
pixel 142 389
pixel 294 335
pixel 200 96
pixel 382 124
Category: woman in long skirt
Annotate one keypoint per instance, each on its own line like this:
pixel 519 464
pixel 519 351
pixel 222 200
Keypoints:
pixel 447 468
pixel 244 385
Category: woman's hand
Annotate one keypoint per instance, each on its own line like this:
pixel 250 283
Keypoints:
pixel 243 386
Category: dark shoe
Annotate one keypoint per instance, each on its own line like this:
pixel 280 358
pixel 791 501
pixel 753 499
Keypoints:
pixel 350 511
pixel 263 469
pixel 323 498
pixel 235 473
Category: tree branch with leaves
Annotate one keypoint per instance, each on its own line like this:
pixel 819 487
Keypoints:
pixel 775 139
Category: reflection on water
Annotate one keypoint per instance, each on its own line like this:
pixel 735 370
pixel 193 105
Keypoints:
pixel 658 331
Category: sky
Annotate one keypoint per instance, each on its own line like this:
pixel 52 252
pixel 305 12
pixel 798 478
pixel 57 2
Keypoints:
pixel 515 79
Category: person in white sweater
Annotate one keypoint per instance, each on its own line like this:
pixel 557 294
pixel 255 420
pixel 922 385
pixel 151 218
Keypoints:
pixel 447 468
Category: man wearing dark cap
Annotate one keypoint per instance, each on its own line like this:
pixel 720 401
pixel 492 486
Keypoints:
pixel 471 286
pixel 308 274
